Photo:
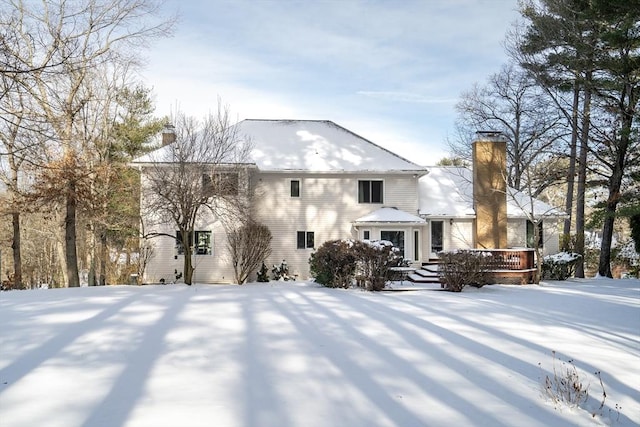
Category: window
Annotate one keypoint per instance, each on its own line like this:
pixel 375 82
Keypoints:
pixel 416 245
pixel 295 188
pixel 395 237
pixel 370 191
pixel 220 184
pixel 306 240
pixel 531 235
pixel 203 243
pixel 202 240
pixel 437 236
pixel 366 235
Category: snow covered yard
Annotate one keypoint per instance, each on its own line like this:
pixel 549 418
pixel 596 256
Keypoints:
pixel 283 354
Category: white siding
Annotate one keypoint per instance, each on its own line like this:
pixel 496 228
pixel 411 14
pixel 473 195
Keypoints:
pixel 551 234
pixel 214 268
pixel 517 234
pixel 459 235
pixel 328 204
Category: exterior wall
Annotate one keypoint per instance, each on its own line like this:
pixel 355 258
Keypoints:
pixel 214 268
pixel 517 234
pixel 327 206
pixel 551 234
pixel 458 234
pixel 165 261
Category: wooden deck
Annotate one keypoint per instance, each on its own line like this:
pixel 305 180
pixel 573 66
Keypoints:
pixel 514 266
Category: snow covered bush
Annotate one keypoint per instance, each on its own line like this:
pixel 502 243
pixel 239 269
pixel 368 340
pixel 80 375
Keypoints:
pixel 463 268
pixel 626 255
pixel 337 263
pixel 559 266
pixel 263 273
pixel 375 259
pixel 333 264
pixel 281 272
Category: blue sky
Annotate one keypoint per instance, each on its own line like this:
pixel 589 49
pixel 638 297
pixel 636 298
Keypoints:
pixel 390 71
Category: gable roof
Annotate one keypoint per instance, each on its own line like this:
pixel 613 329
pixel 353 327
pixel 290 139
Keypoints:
pixel 317 146
pixel 448 191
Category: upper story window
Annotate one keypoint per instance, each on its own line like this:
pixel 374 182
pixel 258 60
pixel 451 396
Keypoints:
pixel 220 184
pixel 370 191
pixel 295 188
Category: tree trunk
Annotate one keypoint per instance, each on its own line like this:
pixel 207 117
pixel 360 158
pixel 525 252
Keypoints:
pixel 91 253
pixel 571 174
pixel 102 279
pixel 615 184
pixel 582 176
pixel 188 267
pixel 16 246
pixel 71 254
pixel 60 250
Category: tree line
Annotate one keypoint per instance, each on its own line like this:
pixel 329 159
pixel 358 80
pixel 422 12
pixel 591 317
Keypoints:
pixel 567 103
pixel 72 116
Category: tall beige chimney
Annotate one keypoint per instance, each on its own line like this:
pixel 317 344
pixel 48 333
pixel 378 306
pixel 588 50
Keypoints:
pixel 168 134
pixel 490 190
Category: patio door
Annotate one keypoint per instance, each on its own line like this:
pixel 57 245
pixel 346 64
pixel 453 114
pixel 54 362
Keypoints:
pixel 437 237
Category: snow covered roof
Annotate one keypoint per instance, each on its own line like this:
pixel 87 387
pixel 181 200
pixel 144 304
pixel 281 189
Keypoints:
pixel 311 145
pixel 317 146
pixel 387 215
pixel 520 204
pixel 448 191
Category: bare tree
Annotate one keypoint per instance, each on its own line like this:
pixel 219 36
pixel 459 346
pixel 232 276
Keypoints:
pixel 511 103
pixel 249 246
pixel 204 169
pixel 53 49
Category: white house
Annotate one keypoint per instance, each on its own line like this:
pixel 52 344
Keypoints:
pixel 314 181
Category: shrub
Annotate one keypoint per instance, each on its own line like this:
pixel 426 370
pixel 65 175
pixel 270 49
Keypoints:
pixel 336 263
pixel 263 273
pixel 333 264
pixel 281 272
pixel 559 266
pixel 566 385
pixel 375 258
pixel 463 268
pixel 248 245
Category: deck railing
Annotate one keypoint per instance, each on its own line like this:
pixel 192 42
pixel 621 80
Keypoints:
pixel 509 259
pixel 515 265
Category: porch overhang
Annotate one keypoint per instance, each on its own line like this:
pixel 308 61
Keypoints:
pixel 389 216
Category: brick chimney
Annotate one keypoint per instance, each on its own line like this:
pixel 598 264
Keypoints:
pixel 168 134
pixel 490 190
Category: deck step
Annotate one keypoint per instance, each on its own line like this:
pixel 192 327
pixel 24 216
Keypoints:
pixel 426 273
pixel 423 276
pixel 433 268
